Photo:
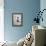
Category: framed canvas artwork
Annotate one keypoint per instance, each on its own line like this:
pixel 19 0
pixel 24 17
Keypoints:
pixel 17 19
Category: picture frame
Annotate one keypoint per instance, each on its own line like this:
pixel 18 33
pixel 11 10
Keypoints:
pixel 17 19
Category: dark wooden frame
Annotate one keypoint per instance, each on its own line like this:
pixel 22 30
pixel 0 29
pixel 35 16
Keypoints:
pixel 21 19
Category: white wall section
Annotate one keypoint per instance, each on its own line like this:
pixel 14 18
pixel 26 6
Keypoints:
pixel 1 20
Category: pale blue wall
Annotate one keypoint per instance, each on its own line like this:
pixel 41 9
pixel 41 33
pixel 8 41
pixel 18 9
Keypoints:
pixel 43 6
pixel 28 8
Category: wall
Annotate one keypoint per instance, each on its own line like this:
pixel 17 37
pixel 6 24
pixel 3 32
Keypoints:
pixel 28 8
pixel 43 6
pixel 1 20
